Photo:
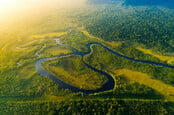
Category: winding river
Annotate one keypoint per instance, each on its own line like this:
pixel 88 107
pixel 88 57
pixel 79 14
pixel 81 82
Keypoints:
pixel 107 86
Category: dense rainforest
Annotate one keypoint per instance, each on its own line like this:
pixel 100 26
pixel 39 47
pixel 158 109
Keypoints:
pixel 101 57
pixel 150 26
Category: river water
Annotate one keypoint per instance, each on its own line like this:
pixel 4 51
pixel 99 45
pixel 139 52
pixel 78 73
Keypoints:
pixel 107 86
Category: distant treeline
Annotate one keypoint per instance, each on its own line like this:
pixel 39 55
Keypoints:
pixel 104 1
pixel 149 2
pixel 166 3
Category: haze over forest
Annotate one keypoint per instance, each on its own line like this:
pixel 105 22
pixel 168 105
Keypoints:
pixel 15 9
pixel 87 57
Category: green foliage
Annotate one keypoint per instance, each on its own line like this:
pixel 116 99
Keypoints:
pixel 90 107
pixel 24 91
pixel 71 70
pixel 17 86
pixel 76 40
pixel 152 27
pixel 104 60
pixel 124 89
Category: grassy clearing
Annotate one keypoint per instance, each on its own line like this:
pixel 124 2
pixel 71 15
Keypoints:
pixel 48 35
pixel 13 53
pixel 112 43
pixel 167 59
pixel 80 37
pixel 72 71
pixel 39 38
pixel 143 78
pixel 54 51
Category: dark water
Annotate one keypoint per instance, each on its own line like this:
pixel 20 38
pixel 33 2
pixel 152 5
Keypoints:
pixel 107 86
pixel 128 58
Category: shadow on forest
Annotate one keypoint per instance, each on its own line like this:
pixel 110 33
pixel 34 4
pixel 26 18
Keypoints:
pixel 164 3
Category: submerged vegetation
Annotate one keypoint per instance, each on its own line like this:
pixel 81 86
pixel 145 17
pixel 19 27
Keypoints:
pixel 139 33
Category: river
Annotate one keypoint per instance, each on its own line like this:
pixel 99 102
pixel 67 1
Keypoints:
pixel 107 86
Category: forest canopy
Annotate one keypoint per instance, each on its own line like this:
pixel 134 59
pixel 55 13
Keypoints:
pixel 166 3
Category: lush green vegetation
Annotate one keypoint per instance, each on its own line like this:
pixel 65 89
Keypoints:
pixel 21 44
pixel 72 71
pixel 104 60
pixel 166 3
pixel 89 106
pixel 152 27
pixel 143 33
pixel 125 88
